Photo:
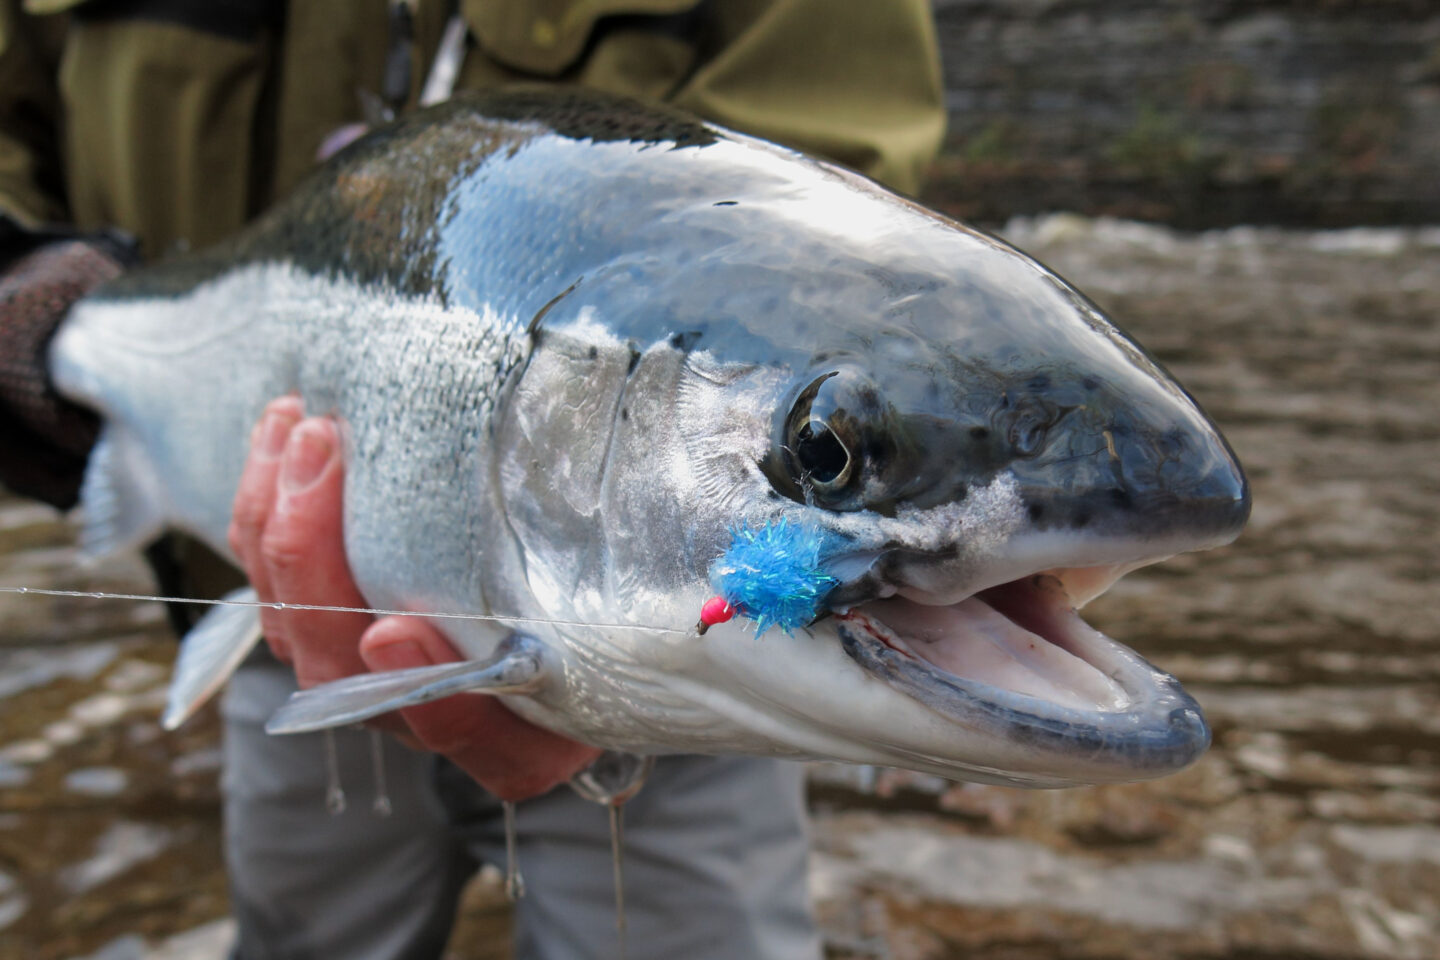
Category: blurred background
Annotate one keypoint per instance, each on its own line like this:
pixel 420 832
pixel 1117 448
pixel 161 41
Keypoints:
pixel 1253 190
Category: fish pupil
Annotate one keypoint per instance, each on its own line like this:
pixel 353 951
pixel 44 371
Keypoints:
pixel 821 454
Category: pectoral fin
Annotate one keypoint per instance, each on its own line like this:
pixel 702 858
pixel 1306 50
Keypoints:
pixel 120 497
pixel 517 667
pixel 211 651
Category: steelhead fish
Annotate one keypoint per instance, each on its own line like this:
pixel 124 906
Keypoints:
pixel 579 345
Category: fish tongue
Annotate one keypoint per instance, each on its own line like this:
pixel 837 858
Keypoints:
pixel 1023 644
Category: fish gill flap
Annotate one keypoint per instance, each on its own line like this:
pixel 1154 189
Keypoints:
pixel 546 37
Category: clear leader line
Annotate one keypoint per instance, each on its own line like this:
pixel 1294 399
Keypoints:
pixel 373 611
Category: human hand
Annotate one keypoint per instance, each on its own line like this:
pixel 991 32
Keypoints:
pixel 286 528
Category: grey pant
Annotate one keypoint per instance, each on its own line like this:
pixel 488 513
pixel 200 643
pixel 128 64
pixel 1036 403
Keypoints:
pixel 715 853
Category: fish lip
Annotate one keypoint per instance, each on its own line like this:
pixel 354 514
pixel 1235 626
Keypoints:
pixel 1160 730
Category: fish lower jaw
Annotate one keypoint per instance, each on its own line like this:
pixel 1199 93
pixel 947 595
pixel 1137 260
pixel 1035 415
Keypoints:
pixel 1017 662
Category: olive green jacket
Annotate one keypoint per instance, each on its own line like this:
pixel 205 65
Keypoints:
pixel 179 120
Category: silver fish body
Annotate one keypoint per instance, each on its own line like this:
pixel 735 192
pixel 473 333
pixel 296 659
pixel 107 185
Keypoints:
pixel 575 343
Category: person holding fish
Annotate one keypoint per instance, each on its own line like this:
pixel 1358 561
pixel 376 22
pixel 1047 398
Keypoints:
pixel 175 123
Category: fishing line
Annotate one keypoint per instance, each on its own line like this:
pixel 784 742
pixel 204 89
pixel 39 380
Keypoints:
pixel 514 882
pixel 381 804
pixel 324 608
pixel 334 791
pixel 617 844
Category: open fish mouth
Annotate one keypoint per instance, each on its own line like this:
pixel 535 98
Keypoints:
pixel 1017 661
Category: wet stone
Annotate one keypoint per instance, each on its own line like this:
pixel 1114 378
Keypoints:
pixel 12 908
pixel 99 710
pixel 132 676
pixel 97 781
pixel 64 733
pixel 27 751
pixel 200 762
pixel 121 847
pixel 128 947
pixel 12 775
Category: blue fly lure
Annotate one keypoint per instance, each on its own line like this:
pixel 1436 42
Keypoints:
pixel 774 574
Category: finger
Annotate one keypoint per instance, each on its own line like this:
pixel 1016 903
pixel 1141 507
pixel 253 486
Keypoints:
pixel 509 756
pixel 391 630
pixel 303 553
pixel 254 500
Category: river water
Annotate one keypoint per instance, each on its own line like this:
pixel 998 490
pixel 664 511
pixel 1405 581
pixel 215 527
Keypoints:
pixel 1312 829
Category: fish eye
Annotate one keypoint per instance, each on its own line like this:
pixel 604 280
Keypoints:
pixel 820 440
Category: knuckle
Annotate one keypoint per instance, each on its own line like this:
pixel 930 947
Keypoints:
pixel 283 553
pixel 247 520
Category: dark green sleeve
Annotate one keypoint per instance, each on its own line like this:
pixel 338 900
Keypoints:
pixel 30 184
pixel 854 80
pixel 857 82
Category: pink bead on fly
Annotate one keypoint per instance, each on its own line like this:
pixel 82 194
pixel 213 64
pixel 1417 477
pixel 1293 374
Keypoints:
pixel 715 610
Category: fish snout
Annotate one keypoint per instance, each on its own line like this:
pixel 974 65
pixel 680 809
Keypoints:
pixel 1175 480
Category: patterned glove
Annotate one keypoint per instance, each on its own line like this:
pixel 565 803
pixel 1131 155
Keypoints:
pixel 44 438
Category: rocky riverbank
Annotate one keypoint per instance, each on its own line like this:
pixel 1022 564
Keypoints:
pixel 1194 112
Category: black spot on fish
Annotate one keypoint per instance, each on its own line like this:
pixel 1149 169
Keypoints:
pixel 685 341
pixel 634 359
pixel 727 203
pixel 1036 511
pixel 979 433
pixel 1090 383
pixel 594 352
pixel 624 413
pixel 875 452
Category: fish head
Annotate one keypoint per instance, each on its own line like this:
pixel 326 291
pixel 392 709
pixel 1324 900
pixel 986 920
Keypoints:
pixel 973 450
pixel 977 455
